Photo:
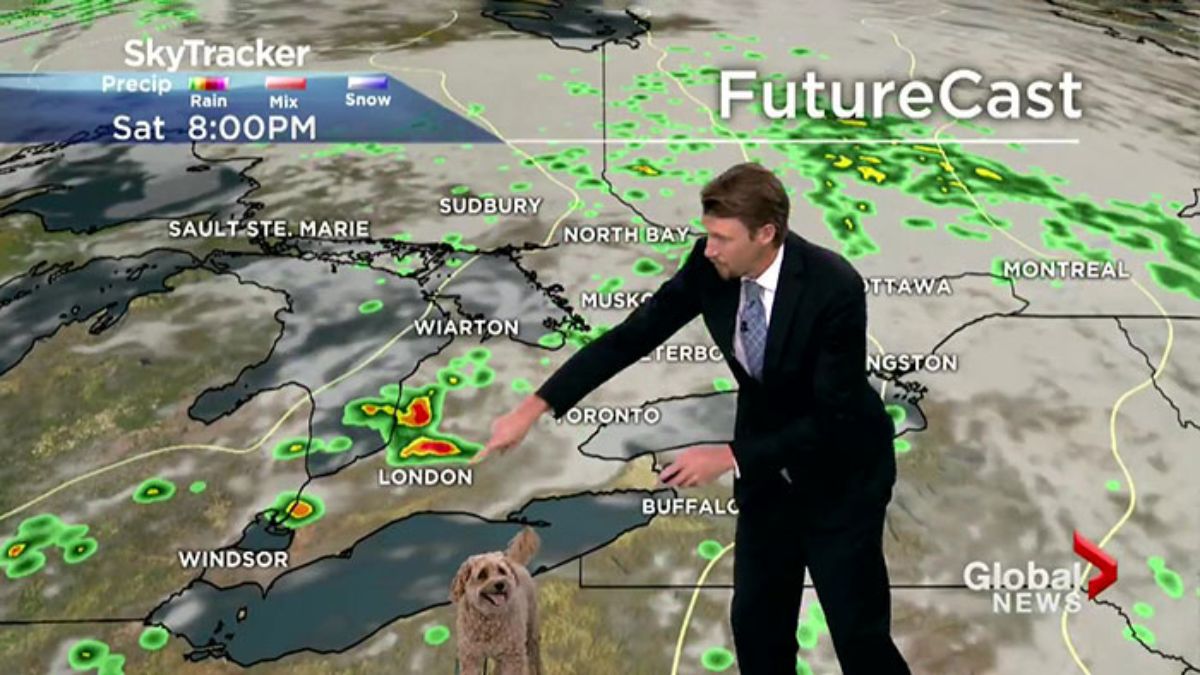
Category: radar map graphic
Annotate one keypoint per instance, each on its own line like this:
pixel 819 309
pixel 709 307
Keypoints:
pixel 268 271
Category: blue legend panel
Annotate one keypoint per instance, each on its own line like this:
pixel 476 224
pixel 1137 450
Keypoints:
pixel 215 107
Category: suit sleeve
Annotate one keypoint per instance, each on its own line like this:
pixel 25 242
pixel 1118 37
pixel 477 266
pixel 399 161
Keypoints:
pixel 837 382
pixel 671 307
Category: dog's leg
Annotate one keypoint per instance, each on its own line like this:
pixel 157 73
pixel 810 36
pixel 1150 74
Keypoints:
pixel 533 652
pixel 470 664
pixel 511 664
pixel 533 647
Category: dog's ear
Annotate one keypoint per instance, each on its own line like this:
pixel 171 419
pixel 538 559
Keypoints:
pixel 524 546
pixel 459 585
pixel 512 572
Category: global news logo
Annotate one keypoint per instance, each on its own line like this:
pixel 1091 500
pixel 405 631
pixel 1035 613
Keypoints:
pixel 1034 589
pixel 1031 589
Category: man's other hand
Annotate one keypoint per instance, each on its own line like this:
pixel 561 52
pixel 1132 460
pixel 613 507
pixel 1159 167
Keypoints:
pixel 509 429
pixel 700 465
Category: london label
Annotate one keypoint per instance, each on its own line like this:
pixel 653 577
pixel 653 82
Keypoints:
pixel 426 476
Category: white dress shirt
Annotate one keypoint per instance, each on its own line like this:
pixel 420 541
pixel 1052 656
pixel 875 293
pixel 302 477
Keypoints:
pixel 769 280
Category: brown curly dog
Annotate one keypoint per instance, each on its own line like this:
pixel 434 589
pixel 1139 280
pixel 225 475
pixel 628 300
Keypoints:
pixel 497 609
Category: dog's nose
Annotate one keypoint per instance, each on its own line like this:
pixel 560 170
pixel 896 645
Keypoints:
pixel 500 585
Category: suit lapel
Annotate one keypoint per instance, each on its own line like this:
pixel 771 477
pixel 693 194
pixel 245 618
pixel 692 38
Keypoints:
pixel 724 315
pixel 788 292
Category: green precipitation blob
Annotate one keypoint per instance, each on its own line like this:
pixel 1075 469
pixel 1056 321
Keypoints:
pixel 296 448
pixel 370 306
pixel 294 510
pixel 375 150
pixel 437 635
pixel 471 369
pixel 897 413
pixel 901 446
pixel 522 385
pixel 78 550
pixel 1112 485
pixel 722 384
pixel 1140 633
pixel 113 664
pixel 35 16
pixel 88 654
pixel 454 239
pixel 709 549
pixel 647 267
pixel 802 667
pixel 154 490
pixel 161 15
pixel 407 264
pixel 1167 579
pixel 938 176
pixel 482 377
pixel 1144 610
pixel 407 419
pixel 810 629
pixel 920 223
pixel 573 336
pixel 717 659
pixel 24 553
pixel 610 285
pixel 197 487
pixel 153 638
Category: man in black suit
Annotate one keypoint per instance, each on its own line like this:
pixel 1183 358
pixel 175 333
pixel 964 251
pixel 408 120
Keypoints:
pixel 812 448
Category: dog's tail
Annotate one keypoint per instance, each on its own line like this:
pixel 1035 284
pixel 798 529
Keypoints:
pixel 524 546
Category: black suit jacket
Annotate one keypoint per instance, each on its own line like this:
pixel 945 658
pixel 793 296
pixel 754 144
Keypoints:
pixel 814 412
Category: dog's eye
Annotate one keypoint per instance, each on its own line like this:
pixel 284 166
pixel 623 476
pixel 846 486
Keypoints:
pixel 482 574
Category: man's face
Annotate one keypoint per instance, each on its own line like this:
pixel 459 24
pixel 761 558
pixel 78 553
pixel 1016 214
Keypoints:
pixel 731 248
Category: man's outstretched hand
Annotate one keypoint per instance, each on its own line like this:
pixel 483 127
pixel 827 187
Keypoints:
pixel 509 429
pixel 700 465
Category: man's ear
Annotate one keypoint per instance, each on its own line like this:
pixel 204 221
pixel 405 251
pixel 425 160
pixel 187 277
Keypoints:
pixel 459 585
pixel 765 236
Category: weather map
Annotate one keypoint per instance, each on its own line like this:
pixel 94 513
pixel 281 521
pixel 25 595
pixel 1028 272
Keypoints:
pixel 268 271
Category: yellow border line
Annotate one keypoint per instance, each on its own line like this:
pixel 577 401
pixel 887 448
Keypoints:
pixel 389 344
pixel 257 444
pixel 576 202
pixel 364 363
pixel 687 617
pixel 1132 504
pixel 741 146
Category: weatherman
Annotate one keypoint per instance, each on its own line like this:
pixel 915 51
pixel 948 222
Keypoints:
pixel 812 446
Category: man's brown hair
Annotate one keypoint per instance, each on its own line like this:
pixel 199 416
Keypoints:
pixel 751 193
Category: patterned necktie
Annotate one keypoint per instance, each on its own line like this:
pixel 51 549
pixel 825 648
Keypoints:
pixel 753 326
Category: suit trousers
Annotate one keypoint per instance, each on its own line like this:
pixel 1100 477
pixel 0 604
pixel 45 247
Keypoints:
pixel 775 542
